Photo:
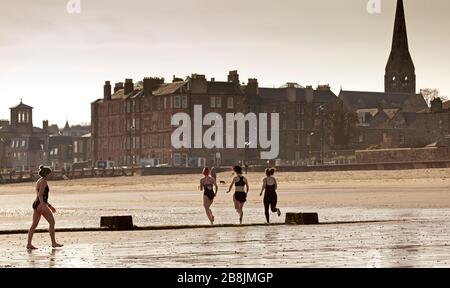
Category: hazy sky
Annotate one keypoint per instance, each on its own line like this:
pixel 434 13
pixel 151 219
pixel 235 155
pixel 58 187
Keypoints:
pixel 57 62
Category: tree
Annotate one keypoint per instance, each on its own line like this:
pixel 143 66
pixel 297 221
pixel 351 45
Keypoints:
pixel 429 94
pixel 341 124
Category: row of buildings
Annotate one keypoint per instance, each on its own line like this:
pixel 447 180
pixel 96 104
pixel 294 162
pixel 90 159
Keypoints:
pixel 131 124
pixel 24 147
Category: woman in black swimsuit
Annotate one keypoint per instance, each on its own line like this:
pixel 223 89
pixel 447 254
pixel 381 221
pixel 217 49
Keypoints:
pixel 240 196
pixel 41 207
pixel 270 196
pixel 207 183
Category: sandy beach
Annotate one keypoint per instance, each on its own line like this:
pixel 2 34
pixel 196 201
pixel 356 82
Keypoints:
pixel 413 207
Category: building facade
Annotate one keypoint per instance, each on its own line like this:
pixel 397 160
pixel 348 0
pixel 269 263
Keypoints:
pixel 23 147
pixel 132 124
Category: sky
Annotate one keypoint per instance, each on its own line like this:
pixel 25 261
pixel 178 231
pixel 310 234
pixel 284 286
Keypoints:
pixel 57 61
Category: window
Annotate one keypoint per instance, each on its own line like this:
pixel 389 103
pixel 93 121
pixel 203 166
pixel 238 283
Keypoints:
pixel 402 139
pixel 23 143
pixel 230 103
pixel 308 140
pixel 184 101
pixel 176 159
pixel 284 124
pixel 177 102
pixel 297 139
pixel 213 102
pixel 361 138
pixel 299 124
pixel 297 156
pixel 218 102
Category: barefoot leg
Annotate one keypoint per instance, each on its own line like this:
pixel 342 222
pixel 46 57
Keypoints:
pixel 35 223
pixel 207 204
pixel 48 215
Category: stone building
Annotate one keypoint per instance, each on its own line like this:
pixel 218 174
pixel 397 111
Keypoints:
pixel 433 124
pixel 386 119
pixel 132 124
pixel 22 146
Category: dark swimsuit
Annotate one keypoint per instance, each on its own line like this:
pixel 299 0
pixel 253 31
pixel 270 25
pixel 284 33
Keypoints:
pixel 45 196
pixel 209 192
pixel 270 200
pixel 240 196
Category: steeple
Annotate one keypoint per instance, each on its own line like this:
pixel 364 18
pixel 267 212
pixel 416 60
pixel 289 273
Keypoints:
pixel 400 74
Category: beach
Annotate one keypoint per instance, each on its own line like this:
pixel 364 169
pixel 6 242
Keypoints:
pixel 369 219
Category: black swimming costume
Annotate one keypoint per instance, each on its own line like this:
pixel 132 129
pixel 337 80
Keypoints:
pixel 209 193
pixel 45 196
pixel 270 200
pixel 240 183
pixel 240 196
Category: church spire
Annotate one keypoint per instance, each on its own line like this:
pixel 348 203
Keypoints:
pixel 400 74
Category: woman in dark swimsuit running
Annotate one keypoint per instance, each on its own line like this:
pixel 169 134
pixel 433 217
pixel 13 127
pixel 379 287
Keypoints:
pixel 207 183
pixel 41 207
pixel 270 195
pixel 240 196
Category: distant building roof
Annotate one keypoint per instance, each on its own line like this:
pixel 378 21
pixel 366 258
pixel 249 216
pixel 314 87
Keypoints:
pixel 55 141
pixel 223 88
pixel 22 106
pixel 281 94
pixel 366 100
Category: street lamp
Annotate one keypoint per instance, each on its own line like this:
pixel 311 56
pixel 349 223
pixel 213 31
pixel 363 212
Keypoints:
pixel 322 108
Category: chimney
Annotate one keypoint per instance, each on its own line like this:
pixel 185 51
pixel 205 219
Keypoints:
pixel 107 91
pixel 129 86
pixel 252 88
pixel 176 79
pixel 151 83
pixel 45 125
pixel 118 86
pixel 324 87
pixel 198 84
pixel 233 77
pixel 436 105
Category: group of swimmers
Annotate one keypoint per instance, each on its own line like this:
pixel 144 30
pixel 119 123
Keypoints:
pixel 208 184
pixel 42 207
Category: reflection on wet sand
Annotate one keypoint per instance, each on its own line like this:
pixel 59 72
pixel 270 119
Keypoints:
pixel 388 244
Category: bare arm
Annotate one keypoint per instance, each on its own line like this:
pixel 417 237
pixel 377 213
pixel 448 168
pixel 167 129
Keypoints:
pixel 263 187
pixel 276 184
pixel 201 185
pixel 217 187
pixel 231 186
pixel 246 186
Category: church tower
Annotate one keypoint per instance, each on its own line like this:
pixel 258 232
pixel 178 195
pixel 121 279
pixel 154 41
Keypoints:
pixel 22 118
pixel 400 76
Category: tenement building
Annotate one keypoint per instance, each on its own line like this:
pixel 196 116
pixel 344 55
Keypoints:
pixel 131 124
pixel 22 146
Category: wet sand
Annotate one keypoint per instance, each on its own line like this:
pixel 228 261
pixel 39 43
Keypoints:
pixel 416 204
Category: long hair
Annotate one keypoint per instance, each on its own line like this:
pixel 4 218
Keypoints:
pixel 206 171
